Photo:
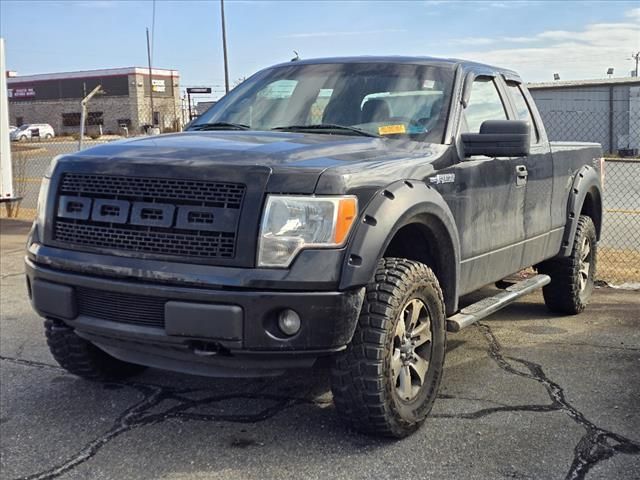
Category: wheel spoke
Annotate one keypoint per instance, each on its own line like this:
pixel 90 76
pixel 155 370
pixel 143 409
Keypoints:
pixel 420 366
pixel 586 250
pixel 396 364
pixel 416 307
pixel 401 327
pixel 584 269
pixel 421 334
pixel 405 388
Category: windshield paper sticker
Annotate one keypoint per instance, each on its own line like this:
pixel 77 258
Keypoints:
pixel 391 129
pixel 443 178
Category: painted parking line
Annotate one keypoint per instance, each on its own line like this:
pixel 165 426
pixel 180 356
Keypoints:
pixel 28 180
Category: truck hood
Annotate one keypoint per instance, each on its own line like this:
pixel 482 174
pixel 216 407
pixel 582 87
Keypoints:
pixel 295 161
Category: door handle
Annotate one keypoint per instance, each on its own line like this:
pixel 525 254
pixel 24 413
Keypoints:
pixel 521 175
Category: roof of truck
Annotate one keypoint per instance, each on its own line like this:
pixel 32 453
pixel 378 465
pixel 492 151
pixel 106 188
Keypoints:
pixel 442 62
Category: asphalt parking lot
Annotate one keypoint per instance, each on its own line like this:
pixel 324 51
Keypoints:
pixel 526 395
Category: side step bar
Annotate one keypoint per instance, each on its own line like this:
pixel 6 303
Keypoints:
pixel 485 307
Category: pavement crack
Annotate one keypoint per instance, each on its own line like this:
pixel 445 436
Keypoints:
pixel 141 414
pixel 594 345
pixel 16 274
pixel 31 363
pixel 596 445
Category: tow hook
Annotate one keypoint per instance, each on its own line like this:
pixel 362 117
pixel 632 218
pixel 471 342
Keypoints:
pixel 206 349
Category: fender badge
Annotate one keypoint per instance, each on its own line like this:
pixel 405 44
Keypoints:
pixel 443 178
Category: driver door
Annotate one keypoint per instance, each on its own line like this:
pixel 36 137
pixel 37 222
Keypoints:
pixel 488 201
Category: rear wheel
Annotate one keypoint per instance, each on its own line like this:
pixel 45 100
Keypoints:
pixel 387 380
pixel 572 277
pixel 82 358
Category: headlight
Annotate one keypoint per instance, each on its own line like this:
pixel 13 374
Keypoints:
pixel 42 200
pixel 291 223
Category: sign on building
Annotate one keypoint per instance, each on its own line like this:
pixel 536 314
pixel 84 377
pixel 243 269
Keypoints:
pixel 21 92
pixel 158 85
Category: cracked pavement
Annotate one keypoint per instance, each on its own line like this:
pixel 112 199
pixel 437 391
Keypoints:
pixel 525 395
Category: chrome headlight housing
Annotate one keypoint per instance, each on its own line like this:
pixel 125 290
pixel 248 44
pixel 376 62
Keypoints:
pixel 292 223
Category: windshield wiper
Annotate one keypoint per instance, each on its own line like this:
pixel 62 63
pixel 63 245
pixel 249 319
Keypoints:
pixel 324 126
pixel 221 126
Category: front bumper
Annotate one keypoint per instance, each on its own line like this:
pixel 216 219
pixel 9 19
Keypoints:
pixel 216 332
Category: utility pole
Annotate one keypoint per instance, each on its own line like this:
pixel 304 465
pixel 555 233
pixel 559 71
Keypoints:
pixel 153 123
pixel 224 48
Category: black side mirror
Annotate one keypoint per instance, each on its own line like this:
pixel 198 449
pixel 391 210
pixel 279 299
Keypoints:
pixel 498 138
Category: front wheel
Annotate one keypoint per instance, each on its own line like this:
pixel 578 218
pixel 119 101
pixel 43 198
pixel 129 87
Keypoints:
pixel 386 381
pixel 80 357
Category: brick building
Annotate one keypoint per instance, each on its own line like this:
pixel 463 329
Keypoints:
pixel 54 98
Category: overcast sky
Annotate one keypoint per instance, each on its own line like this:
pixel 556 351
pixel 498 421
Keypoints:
pixel 578 40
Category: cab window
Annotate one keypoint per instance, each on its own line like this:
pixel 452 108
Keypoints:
pixel 484 104
pixel 522 109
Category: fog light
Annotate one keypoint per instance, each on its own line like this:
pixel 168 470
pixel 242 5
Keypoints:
pixel 289 322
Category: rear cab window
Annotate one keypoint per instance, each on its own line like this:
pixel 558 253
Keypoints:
pixel 523 111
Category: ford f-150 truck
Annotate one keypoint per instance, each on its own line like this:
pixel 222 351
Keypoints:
pixel 333 209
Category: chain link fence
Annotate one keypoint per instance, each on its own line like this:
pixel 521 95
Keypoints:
pixel 33 147
pixel 608 114
pixel 619 255
pixel 619 259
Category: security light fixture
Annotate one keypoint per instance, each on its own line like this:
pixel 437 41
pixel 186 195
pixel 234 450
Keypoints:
pixel 610 72
pixel 556 76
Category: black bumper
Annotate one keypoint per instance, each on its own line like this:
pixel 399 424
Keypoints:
pixel 217 332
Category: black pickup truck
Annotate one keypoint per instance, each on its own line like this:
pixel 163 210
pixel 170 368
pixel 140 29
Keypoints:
pixel 332 209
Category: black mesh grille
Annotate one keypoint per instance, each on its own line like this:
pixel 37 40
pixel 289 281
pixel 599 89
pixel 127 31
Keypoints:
pixel 121 307
pixel 174 217
pixel 204 244
pixel 215 194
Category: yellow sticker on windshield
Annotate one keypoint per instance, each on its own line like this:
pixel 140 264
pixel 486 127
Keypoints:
pixel 391 129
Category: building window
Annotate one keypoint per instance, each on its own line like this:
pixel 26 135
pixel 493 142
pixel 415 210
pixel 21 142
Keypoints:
pixel 71 119
pixel 95 118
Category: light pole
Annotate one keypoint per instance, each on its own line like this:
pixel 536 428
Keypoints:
pixel 224 48
pixel 636 56
pixel 153 123
pixel 83 112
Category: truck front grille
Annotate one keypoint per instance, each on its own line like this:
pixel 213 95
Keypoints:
pixel 215 194
pixel 156 216
pixel 121 307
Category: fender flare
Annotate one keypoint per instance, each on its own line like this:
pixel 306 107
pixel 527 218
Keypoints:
pixel 586 181
pixel 400 204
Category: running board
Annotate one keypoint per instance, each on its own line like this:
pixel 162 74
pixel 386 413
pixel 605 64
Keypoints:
pixel 485 307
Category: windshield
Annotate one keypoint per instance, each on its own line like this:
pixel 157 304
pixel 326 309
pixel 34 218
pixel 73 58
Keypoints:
pixel 23 127
pixel 390 100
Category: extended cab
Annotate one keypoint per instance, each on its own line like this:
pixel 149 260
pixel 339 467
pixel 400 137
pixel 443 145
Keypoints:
pixel 324 209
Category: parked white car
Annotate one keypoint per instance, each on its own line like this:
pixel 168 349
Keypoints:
pixel 12 128
pixel 32 130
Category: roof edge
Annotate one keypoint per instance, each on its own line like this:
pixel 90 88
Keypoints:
pixel 160 72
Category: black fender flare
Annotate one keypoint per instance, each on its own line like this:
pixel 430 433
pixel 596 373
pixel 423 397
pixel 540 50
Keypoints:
pixel 585 181
pixel 400 204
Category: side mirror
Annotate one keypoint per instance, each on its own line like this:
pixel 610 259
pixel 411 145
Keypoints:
pixel 498 138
